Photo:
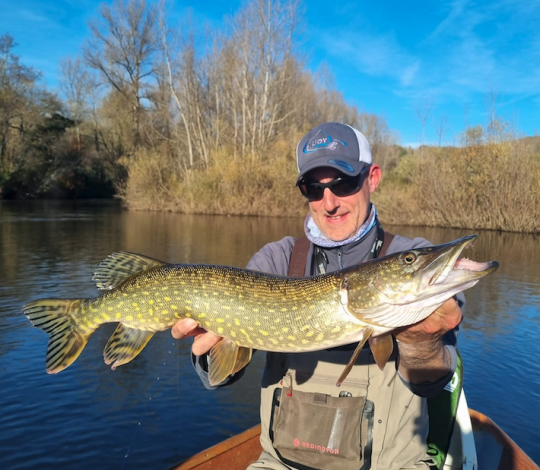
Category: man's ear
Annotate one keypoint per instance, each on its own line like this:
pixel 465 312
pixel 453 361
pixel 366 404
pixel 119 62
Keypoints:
pixel 374 177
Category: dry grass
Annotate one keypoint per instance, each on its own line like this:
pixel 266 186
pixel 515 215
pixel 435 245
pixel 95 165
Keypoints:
pixel 229 186
pixel 493 186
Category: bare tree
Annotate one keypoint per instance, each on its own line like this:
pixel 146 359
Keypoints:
pixel 123 49
pixel 17 86
pixel 260 72
pixel 423 112
pixel 381 139
pixel 441 128
pixel 497 129
pixel 75 84
pixel 171 67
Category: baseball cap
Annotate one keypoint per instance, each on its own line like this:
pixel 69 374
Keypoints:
pixel 335 145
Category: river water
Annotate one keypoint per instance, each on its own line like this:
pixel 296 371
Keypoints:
pixel 153 412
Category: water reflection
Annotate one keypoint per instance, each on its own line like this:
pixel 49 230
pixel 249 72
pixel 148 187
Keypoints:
pixel 88 416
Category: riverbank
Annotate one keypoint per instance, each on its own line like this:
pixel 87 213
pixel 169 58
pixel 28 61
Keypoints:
pixel 491 182
pixel 488 184
pixel 495 186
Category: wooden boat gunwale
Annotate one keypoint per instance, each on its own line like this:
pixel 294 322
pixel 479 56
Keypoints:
pixel 247 442
pixel 512 457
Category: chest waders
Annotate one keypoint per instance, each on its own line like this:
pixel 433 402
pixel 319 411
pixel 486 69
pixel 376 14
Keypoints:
pixel 442 408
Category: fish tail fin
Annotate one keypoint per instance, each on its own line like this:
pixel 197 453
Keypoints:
pixel 67 339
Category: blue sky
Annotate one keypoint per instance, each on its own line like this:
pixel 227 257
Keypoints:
pixel 389 58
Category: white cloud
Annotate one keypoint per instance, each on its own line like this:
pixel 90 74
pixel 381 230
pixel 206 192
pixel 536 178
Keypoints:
pixel 376 55
pixel 488 45
pixel 31 16
pixel 456 8
pixel 409 74
pixel 477 46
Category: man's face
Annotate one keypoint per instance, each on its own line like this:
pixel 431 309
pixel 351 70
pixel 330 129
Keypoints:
pixel 339 218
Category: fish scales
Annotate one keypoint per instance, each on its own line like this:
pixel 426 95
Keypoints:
pixel 252 310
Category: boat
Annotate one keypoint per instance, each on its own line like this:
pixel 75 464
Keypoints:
pixel 477 444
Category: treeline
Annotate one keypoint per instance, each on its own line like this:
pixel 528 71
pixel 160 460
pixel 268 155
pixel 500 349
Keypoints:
pixel 150 109
pixel 167 117
pixel 43 150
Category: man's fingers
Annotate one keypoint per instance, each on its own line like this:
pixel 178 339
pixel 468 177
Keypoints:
pixel 203 340
pixel 203 343
pixel 186 327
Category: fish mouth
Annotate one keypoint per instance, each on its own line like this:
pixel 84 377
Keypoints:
pixel 447 266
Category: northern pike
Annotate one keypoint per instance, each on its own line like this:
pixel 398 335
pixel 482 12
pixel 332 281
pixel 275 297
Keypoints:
pixel 253 310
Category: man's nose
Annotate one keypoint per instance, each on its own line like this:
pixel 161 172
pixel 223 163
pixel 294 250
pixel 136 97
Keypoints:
pixel 330 200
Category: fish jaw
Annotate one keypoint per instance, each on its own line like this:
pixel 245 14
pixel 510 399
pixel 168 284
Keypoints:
pixel 449 269
pixel 407 287
pixel 442 259
pixel 433 271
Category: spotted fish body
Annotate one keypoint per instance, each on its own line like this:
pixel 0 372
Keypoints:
pixel 252 310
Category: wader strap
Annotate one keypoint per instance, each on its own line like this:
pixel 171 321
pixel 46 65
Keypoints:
pixel 297 264
pixel 388 237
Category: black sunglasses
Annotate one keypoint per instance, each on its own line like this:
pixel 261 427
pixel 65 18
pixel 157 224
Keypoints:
pixel 341 187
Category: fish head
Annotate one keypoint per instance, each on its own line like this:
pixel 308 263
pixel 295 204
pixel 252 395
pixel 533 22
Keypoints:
pixel 431 274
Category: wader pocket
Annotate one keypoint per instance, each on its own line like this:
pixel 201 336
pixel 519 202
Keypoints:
pixel 317 431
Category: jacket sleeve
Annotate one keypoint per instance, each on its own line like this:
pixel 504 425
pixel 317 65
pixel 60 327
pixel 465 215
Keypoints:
pixel 272 258
pixel 429 389
pixel 200 363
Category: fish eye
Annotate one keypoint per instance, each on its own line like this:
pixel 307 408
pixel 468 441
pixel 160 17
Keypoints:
pixel 409 258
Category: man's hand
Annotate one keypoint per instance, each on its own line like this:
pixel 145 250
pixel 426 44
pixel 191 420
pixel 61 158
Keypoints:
pixel 203 340
pixel 422 354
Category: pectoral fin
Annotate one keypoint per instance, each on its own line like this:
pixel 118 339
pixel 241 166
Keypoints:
pixel 124 345
pixel 381 347
pixel 366 333
pixel 226 358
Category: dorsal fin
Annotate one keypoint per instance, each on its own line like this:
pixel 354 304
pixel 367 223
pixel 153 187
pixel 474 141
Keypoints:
pixel 116 268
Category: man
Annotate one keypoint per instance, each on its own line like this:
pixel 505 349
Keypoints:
pixel 377 419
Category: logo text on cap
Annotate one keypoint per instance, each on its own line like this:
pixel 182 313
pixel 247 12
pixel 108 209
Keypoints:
pixel 322 140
